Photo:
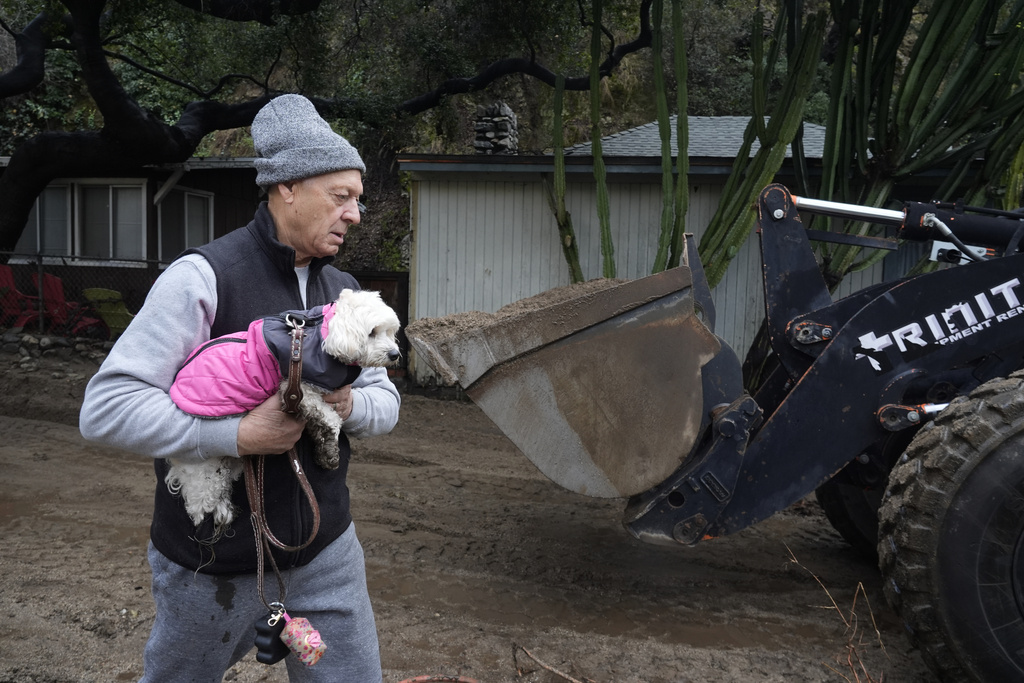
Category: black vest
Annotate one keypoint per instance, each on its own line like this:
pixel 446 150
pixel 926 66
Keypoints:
pixel 256 278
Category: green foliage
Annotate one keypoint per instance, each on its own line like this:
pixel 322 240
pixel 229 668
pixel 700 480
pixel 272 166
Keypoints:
pixel 391 258
pixel 20 12
pixel 719 65
pixel 378 53
pixel 59 103
pixel 163 55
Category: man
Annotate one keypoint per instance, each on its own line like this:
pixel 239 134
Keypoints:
pixel 205 585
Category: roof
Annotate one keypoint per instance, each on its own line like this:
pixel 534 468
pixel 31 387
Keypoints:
pixel 192 164
pixel 709 136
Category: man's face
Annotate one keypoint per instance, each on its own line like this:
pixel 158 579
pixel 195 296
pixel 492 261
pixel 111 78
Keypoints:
pixel 318 213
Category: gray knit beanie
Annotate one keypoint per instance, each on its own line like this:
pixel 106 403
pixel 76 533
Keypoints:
pixel 293 143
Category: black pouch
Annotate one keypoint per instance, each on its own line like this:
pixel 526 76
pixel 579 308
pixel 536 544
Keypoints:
pixel 270 649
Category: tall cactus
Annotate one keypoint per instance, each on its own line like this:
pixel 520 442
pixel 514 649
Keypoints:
pixel 556 191
pixel 665 132
pixel 958 99
pixel 682 196
pixel 733 220
pixel 674 191
pixel 1014 181
pixel 600 174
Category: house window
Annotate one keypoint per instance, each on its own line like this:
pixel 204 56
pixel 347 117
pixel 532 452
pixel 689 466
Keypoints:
pixel 185 221
pixel 48 230
pixel 111 221
pixel 101 220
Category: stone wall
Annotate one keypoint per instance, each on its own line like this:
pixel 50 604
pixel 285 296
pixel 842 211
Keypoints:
pixel 497 130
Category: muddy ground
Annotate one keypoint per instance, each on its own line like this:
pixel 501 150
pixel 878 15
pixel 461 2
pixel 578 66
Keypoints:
pixel 473 557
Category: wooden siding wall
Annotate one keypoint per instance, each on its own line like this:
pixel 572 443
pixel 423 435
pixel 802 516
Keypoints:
pixel 479 246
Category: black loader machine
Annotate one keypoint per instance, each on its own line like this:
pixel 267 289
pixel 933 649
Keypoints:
pixel 901 405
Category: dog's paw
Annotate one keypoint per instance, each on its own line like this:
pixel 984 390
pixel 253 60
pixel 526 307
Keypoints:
pixel 327 454
pixel 323 427
pixel 223 516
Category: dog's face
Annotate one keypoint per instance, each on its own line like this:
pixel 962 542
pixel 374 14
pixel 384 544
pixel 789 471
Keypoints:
pixel 362 331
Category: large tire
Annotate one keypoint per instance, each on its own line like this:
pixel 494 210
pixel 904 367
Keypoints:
pixel 852 511
pixel 851 499
pixel 951 537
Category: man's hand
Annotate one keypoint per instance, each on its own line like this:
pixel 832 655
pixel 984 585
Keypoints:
pixel 268 430
pixel 341 401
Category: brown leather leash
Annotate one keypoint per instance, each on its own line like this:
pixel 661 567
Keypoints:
pixel 253 466
pixel 293 392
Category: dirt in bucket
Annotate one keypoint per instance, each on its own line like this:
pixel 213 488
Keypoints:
pixel 436 330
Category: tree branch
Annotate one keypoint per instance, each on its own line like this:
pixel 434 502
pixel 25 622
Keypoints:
pixel 118 109
pixel 358 6
pixel 262 11
pixel 202 94
pixel 157 74
pixel 529 67
pixel 29 70
pixel 206 116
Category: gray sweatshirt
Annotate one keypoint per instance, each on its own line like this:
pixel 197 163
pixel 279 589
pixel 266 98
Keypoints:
pixel 127 404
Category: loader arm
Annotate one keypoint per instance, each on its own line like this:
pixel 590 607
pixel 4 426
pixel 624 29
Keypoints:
pixel 626 391
pixel 864 371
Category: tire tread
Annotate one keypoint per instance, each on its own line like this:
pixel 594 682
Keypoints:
pixel 921 487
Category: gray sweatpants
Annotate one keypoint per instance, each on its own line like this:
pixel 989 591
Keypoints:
pixel 205 623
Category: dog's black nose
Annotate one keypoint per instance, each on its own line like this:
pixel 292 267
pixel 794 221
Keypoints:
pixel 394 355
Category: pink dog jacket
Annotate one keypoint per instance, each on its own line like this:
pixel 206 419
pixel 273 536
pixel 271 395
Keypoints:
pixel 233 374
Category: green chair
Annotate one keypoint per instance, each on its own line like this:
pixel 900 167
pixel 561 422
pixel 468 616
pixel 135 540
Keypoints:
pixel 110 306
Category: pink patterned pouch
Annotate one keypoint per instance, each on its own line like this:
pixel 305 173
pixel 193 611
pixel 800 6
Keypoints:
pixel 302 639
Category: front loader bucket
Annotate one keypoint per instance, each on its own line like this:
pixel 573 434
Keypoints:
pixel 598 384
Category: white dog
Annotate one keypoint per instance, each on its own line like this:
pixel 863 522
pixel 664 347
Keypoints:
pixel 220 379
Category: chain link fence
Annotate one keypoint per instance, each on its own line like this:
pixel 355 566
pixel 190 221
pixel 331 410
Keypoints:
pixel 72 296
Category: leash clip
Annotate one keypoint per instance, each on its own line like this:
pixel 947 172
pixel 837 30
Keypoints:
pixel 297 325
pixel 293 393
pixel 277 612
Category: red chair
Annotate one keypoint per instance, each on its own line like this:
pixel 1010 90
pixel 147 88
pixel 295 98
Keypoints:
pixel 17 310
pixel 67 318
